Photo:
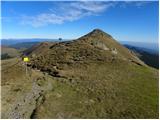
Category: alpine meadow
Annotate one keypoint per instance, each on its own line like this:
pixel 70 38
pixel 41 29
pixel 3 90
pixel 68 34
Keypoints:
pixel 79 60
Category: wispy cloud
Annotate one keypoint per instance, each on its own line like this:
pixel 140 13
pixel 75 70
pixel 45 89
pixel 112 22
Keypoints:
pixel 138 4
pixel 66 11
pixel 70 11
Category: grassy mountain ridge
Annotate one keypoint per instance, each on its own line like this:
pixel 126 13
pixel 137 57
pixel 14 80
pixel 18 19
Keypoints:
pixel 91 77
pixel 95 46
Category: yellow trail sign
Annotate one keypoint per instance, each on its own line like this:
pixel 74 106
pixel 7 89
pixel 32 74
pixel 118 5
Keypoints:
pixel 25 59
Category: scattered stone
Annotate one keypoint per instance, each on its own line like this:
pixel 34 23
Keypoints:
pixel 114 51
pixel 58 95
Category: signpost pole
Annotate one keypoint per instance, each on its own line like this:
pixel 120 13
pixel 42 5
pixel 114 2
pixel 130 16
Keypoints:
pixel 26 59
pixel 26 68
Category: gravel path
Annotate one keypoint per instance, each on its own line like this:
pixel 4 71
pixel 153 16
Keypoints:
pixel 24 107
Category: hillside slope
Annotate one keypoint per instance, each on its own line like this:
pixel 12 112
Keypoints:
pixel 9 52
pixel 91 77
pixel 149 57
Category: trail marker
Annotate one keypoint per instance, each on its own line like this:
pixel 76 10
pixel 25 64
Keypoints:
pixel 26 59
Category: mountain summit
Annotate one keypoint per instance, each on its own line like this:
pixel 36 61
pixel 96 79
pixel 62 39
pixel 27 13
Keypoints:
pixel 96 32
pixel 96 46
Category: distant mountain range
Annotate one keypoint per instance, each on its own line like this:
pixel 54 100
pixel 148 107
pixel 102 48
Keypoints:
pixel 149 47
pixel 8 42
pixel 24 45
pixel 148 56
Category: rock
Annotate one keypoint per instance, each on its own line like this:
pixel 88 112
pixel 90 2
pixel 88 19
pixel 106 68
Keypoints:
pixel 99 44
pixel 114 51
pixel 58 95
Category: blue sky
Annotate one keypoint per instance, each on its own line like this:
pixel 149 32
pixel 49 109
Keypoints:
pixel 125 21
